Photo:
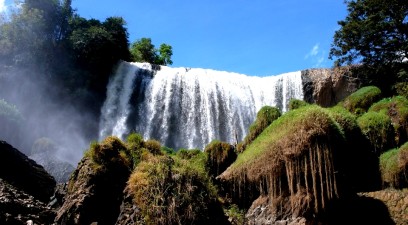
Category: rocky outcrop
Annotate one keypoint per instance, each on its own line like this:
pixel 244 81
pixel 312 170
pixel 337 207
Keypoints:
pixel 25 174
pixel 93 195
pixel 396 202
pixel 59 169
pixel 326 87
pixel 18 207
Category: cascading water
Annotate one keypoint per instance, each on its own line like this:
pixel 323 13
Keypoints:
pixel 188 108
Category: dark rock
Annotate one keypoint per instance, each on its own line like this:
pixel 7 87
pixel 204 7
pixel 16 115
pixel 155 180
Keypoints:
pixel 24 173
pixel 17 207
pixel 129 213
pixel 93 195
pixel 326 87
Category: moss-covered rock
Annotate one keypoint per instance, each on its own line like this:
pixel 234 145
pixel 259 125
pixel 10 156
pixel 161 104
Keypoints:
pixel 220 155
pixel 264 118
pixel 397 109
pixel 296 103
pixel 296 161
pixel 394 166
pixel 362 99
pixel 378 129
pixel 172 190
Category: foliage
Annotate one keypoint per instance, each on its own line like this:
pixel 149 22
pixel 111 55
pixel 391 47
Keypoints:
pixel 135 145
pixel 361 100
pixel 397 109
pixel 220 155
pixel 264 118
pixel 378 130
pixel 394 165
pixel 188 153
pixel 172 190
pixel 235 215
pixel 167 150
pixel 142 50
pixel 110 154
pixel 374 33
pixel 153 146
pixel 296 103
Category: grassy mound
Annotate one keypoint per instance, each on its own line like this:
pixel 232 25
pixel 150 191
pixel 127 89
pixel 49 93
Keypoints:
pixel 293 160
pixel 264 118
pixel 220 155
pixel 173 189
pixel 362 99
pixel 397 109
pixel 394 166
pixel 378 130
pixel 111 153
pixel 296 103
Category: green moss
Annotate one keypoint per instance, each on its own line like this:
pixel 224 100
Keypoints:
pixel 264 118
pixel 362 99
pixel 378 129
pixel 296 103
pixel 397 109
pixel 394 165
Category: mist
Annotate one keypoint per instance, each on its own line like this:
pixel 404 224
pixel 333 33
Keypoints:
pixel 46 115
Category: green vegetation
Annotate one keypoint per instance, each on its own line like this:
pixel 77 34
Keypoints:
pixel 378 129
pixel 293 155
pixel 296 103
pixel 264 118
pixel 173 190
pixel 397 109
pixel 362 99
pixel 373 35
pixel 220 155
pixel 394 165
pixel 110 154
pixel 143 50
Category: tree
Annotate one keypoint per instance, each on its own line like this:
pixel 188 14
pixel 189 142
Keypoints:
pixel 375 32
pixel 166 51
pixel 143 50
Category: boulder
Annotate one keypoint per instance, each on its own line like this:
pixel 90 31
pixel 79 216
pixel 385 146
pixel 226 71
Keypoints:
pixel 25 174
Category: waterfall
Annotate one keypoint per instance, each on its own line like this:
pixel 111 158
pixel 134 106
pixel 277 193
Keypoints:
pixel 189 107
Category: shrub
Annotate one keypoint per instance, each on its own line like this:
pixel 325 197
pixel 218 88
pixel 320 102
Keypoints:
pixel 109 154
pixel 362 99
pixel 220 155
pixel 378 129
pixel 394 166
pixel 264 118
pixel 167 150
pixel 153 146
pixel 172 190
pixel 188 153
pixel 296 103
pixel 135 145
pixel 397 109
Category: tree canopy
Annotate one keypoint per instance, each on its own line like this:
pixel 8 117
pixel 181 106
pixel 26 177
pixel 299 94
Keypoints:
pixel 375 32
pixel 142 50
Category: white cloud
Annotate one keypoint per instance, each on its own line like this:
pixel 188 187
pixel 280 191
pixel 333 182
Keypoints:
pixel 313 52
pixel 3 6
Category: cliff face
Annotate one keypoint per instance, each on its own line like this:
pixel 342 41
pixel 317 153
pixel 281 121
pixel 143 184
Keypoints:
pixel 25 189
pixel 326 87
pixel 24 173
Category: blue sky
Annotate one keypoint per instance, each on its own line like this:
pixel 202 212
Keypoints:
pixel 253 37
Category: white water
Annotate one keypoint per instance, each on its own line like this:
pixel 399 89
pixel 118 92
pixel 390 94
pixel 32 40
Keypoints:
pixel 188 108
